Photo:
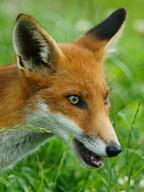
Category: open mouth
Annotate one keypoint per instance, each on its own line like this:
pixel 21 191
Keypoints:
pixel 89 158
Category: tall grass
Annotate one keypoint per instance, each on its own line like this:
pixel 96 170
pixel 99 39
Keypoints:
pixel 54 167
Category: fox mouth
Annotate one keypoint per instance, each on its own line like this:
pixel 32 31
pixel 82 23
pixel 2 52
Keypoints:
pixel 88 157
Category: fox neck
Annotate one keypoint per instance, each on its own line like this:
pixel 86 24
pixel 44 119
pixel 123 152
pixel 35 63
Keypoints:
pixel 18 107
pixel 13 97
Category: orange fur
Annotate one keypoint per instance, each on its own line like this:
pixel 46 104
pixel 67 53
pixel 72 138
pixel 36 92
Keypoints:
pixel 38 89
pixel 77 72
pixel 78 69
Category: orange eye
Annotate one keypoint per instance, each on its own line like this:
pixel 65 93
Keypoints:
pixel 77 101
pixel 74 99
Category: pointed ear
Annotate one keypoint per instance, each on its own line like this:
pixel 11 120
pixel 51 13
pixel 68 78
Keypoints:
pixel 100 37
pixel 36 51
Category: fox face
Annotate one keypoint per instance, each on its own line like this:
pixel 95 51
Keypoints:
pixel 67 91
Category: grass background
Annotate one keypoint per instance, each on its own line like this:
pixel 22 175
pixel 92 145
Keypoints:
pixel 54 167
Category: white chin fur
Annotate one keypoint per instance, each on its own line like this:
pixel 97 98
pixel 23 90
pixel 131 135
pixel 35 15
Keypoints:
pixel 64 128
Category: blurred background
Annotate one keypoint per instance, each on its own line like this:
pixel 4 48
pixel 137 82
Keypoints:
pixel 54 167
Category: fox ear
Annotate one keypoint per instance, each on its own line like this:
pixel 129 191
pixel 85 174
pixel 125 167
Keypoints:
pixel 100 37
pixel 36 51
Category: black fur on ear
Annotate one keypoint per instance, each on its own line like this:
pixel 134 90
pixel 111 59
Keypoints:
pixel 109 27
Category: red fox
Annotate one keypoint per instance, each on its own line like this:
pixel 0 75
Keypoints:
pixel 58 87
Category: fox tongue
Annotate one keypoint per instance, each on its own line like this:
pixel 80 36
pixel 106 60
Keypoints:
pixel 96 161
pixel 90 158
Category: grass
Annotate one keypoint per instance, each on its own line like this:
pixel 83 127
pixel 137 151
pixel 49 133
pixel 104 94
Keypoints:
pixel 54 167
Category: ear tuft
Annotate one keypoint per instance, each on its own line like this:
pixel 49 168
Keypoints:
pixel 36 51
pixel 109 27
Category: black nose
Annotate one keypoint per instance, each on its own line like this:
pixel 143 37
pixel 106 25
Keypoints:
pixel 113 150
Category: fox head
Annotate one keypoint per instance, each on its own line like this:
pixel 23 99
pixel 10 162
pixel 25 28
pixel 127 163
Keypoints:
pixel 67 90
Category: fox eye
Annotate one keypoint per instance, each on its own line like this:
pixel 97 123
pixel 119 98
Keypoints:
pixel 76 100
pixel 106 101
pixel 73 99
